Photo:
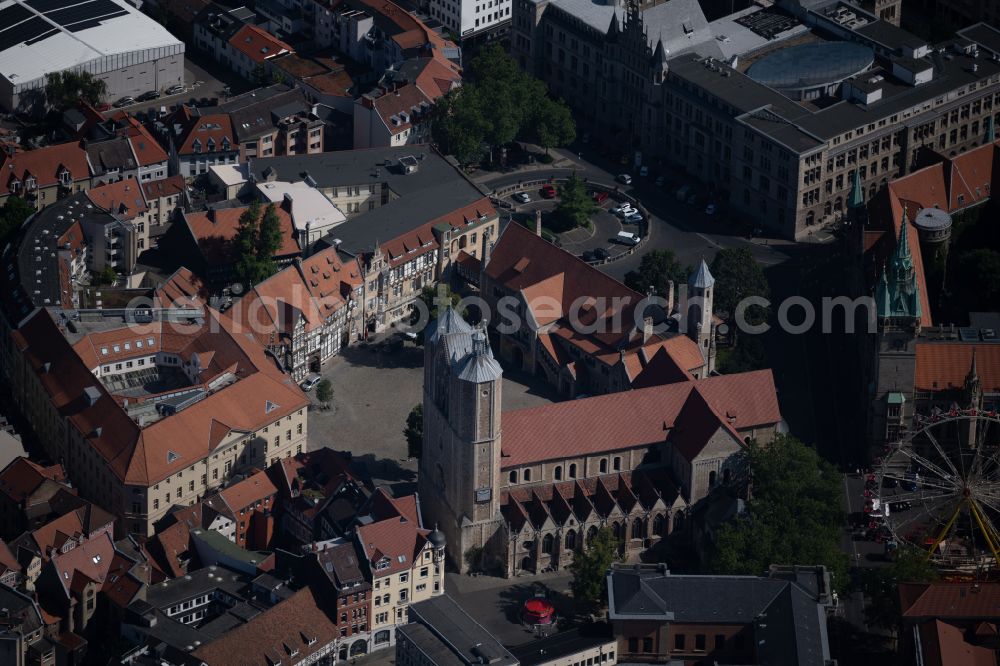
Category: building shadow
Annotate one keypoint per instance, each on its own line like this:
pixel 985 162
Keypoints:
pixel 392 353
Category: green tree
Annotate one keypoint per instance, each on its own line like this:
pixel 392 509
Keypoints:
pixel 12 216
pixel 324 391
pixel 269 239
pixel 108 275
pixel 433 298
pixel 414 432
pixel 550 124
pixel 65 89
pixel 590 566
pixel 255 244
pixel 576 206
pixel 881 585
pixel 737 276
pixel 793 516
pixel 747 356
pixel 656 269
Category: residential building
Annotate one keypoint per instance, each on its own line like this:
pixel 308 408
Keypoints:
pixel 165 199
pixel 540 482
pixel 306 313
pixel 313 214
pixel 411 214
pixel 137 451
pixel 22 636
pixel 340 573
pixel 249 505
pixel 404 561
pixel 660 617
pixel 210 237
pixel 440 632
pixel 78 522
pixel 199 141
pixel 319 496
pixel 378 35
pixel 323 79
pixel 26 489
pixel 251 50
pixel 44 175
pixel 116 225
pixel 397 112
pixel 215 549
pixel 700 96
pixel 114 42
pixel 945 623
pixel 274 121
pixel 475 22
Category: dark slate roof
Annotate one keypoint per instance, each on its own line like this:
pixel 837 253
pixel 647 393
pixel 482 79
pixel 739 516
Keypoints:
pixel 203 581
pixel 38 269
pixel 436 188
pixel 450 630
pixel 340 565
pixel 251 114
pixel 794 633
pixel 110 155
pixel 563 644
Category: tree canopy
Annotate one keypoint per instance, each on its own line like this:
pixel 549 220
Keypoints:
pixel 737 276
pixel 257 240
pixel 575 206
pixel 432 297
pixel 498 103
pixel 794 514
pixel 12 216
pixel 880 585
pixel 65 89
pixel 324 391
pixel 590 566
pixel 656 268
pixel 980 268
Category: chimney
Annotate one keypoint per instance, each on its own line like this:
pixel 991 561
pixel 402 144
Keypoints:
pixel 647 329
pixel 538 223
pixel 670 297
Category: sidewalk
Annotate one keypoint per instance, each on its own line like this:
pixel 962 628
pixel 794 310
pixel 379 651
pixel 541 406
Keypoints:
pixel 560 161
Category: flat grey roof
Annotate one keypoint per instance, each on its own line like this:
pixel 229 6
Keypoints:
pixel 563 644
pixel 171 592
pixel 983 34
pixel 889 35
pixel 455 629
pixel 435 189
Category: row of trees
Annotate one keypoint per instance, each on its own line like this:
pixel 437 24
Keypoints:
pixel 258 238
pixel 497 104
pixel 65 89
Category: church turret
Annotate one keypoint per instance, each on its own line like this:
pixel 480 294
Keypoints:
pixel 701 286
pixel 973 386
pixel 899 303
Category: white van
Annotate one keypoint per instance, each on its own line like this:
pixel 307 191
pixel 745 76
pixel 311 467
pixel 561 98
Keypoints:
pixel 627 238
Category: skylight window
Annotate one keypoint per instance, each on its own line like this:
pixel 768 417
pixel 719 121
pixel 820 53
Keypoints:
pixel 104 350
pixel 138 344
pixel 128 346
pixel 116 348
pixel 150 341
pixel 269 407
pixel 171 456
pixel 96 559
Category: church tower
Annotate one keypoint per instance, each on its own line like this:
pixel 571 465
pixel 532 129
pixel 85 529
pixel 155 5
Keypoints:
pixel 459 478
pixel 701 286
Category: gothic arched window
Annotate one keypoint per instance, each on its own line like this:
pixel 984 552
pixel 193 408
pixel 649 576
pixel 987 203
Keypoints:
pixel 527 475
pixel 658 524
pixel 557 473
pixel 637 531
pixel 547 543
pixel 572 471
pixel 512 477
pixel 571 540
pixel 604 465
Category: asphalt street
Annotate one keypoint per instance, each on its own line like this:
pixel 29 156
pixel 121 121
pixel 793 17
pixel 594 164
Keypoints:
pixel 674 225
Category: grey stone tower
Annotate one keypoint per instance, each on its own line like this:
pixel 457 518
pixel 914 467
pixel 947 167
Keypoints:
pixel 459 477
pixel 701 286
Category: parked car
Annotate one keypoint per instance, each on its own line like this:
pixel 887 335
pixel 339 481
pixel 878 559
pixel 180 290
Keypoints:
pixel 147 96
pixel 175 90
pixel 889 482
pixel 643 171
pixel 522 197
pixel 710 209
pixel 310 382
pixel 623 209
pixel 548 191
pixel 124 101
pixel 633 218
pixel 624 179
pixel 601 253
pixel 103 106
pixel 588 255
pixel 682 192
pixel 600 197
pixel 661 181
pixel 627 238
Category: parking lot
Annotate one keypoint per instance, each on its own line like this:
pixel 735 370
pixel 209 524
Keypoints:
pixel 374 389
pixel 599 242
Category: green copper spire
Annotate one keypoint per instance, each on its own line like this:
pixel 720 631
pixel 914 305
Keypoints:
pixel 857 197
pixel 897 295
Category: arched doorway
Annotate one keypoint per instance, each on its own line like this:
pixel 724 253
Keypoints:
pixel 547 543
pixel 526 563
pixel 342 654
pixel 616 529
pixel 678 521
pixel 711 479
pixel 571 540
pixel 361 647
pixel 637 531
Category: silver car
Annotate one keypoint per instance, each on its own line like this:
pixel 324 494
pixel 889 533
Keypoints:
pixel 310 382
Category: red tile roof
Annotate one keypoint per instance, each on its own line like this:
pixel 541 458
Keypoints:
pixel 638 418
pixel 949 600
pixel 21 477
pixel 298 625
pixel 147 149
pixel 258 45
pixel 397 540
pixel 216 127
pixel 246 493
pixel 944 366
pixel 123 198
pixel 214 231
pixel 45 164
pixel 943 644
pixel 437 77
pixel 165 187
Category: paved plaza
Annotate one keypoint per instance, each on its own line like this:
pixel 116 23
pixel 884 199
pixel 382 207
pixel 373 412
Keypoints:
pixel 374 389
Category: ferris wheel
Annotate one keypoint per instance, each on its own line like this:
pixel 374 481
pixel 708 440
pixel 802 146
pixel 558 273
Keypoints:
pixel 938 489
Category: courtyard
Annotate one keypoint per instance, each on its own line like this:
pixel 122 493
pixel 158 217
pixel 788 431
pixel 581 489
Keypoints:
pixel 374 388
